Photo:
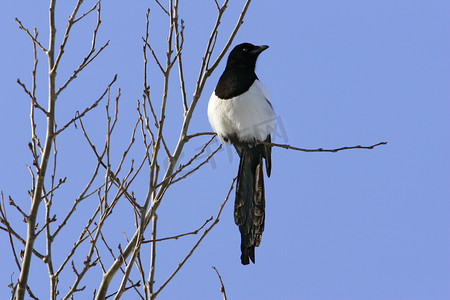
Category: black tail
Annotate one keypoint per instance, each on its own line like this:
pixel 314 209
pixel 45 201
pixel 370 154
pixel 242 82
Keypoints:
pixel 250 203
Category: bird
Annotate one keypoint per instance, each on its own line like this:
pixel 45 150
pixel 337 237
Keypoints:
pixel 240 113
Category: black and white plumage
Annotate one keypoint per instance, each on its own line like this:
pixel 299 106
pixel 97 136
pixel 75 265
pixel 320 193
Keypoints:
pixel 240 113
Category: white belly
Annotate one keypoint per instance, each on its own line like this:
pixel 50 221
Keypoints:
pixel 248 116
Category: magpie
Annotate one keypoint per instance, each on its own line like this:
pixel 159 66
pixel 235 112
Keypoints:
pixel 240 113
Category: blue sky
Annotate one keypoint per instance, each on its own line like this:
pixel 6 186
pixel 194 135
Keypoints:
pixel 358 224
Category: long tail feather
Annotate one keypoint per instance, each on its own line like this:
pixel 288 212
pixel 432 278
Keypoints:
pixel 250 203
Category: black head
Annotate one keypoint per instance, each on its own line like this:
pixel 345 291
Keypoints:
pixel 245 55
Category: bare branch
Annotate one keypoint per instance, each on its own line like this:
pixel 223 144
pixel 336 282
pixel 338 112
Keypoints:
pixel 179 41
pixel 199 166
pixel 222 288
pixel 176 237
pixel 4 220
pixel 34 39
pixel 10 230
pixel 162 7
pixel 46 225
pixel 169 156
pixel 83 195
pixel 97 252
pixel 154 55
pixel 217 4
pixel 320 149
pixel 151 275
pixel 82 237
pixel 208 51
pixel 70 22
pixel 230 39
pixel 142 274
pixel 91 54
pixel 86 61
pixel 132 286
pixel 60 182
pixel 12 203
pixel 188 137
pixel 145 120
pixel 126 151
pixel 86 110
pixel 30 293
pixel 33 99
pixel 126 275
pixel 170 178
pixel 36 143
pixel 48 199
pixel 88 12
pixel 119 184
pixel 87 264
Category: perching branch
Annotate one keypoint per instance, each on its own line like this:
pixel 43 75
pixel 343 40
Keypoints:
pixel 320 149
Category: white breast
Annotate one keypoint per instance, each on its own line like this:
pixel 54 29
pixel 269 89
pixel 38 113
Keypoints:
pixel 250 115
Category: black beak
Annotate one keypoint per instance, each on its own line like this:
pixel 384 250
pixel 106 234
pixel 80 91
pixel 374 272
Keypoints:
pixel 259 49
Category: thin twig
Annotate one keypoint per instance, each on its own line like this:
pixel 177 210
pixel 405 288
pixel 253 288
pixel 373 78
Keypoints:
pixel 10 230
pixel 48 200
pixel 83 195
pixel 91 54
pixel 151 275
pixel 60 182
pixel 82 237
pixel 34 39
pixel 88 12
pixel 162 7
pixel 86 110
pixel 208 52
pixel 36 143
pixel 176 237
pixel 199 165
pixel 154 56
pixel 118 183
pixel 33 99
pixel 30 293
pixel 134 285
pixel 188 137
pixel 4 220
pixel 142 274
pixel 239 22
pixel 12 203
pixel 179 41
pixel 222 288
pixel 193 158
pixel 70 23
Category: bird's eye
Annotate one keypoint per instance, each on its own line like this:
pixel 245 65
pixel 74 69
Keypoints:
pixel 245 50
